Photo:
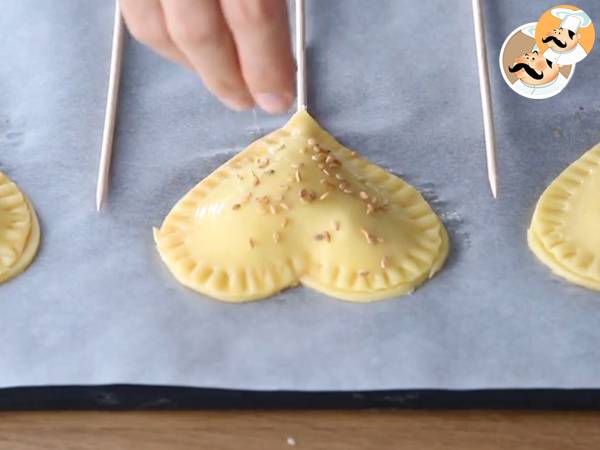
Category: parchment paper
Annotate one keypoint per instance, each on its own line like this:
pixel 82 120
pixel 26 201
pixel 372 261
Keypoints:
pixel 393 79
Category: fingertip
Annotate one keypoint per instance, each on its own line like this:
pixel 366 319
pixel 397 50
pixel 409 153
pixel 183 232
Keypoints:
pixel 274 103
pixel 237 104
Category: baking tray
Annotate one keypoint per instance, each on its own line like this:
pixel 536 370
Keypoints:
pixel 398 83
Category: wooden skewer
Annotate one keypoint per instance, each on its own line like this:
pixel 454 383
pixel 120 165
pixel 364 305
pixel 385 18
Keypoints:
pixel 111 108
pixel 486 96
pixel 301 54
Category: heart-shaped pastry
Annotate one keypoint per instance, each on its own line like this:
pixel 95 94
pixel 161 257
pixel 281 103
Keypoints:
pixel 298 207
pixel 19 230
pixel 565 230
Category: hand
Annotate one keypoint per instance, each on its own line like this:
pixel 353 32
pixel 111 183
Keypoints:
pixel 241 49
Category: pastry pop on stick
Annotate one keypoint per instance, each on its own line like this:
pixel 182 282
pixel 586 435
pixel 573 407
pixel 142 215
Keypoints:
pixel 298 207
pixel 19 230
pixel 564 232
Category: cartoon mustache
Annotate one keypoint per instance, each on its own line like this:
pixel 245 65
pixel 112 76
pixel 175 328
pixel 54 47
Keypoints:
pixel 530 71
pixel 556 41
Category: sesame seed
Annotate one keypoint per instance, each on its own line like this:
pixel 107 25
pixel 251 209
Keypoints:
pixel 316 149
pixel 364 195
pixel 321 166
pixel 251 242
pixel 353 154
pixel 264 200
pixel 380 240
pixel 273 209
pixel 318 157
pixel 326 172
pixel 298 176
pixel 343 185
pixel 276 237
pixel 236 206
pixel 370 209
pixel 256 179
pixel 370 239
pixel 385 262
pixel 284 222
pixel 307 196
pixel 284 206
pixel 347 191
pixel 319 237
pixel 339 176
pixel 262 162
pixel 329 159
pixel 311 141
pixel 327 236
pixel 324 195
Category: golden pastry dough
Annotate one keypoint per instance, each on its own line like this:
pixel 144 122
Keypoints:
pixel 298 207
pixel 565 230
pixel 19 230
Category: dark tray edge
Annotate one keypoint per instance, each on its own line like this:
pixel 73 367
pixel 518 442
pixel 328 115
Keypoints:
pixel 135 397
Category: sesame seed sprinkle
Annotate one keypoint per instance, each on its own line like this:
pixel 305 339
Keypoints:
pixel 298 176
pixel 236 206
pixel 251 242
pixel 364 195
pixel 276 237
pixel 324 195
pixel 385 262
pixel 311 141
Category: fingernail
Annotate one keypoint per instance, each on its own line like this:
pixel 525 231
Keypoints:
pixel 273 103
pixel 236 104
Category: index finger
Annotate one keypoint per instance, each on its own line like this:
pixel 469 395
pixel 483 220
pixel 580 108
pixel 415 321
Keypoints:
pixel 260 29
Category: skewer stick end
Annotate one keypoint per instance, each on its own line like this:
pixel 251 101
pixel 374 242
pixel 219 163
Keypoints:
pixel 494 186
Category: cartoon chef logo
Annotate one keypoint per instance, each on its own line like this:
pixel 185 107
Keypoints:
pixel 527 71
pixel 565 34
pixel 538 59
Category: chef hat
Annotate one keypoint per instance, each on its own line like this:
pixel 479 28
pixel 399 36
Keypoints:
pixel 529 29
pixel 572 20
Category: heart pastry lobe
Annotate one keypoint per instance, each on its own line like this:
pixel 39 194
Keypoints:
pixel 297 207
pixel 19 230
pixel 565 230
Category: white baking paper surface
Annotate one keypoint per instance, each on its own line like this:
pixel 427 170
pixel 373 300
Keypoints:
pixel 393 79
